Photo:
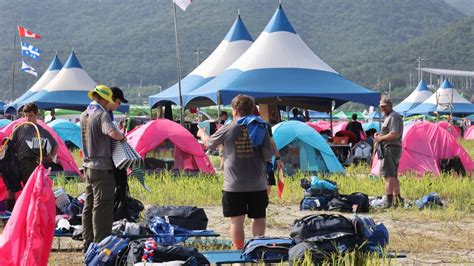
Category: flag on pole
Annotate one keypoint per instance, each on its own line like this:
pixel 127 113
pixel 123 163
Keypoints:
pixel 183 4
pixel 28 69
pixel 30 50
pixel 26 33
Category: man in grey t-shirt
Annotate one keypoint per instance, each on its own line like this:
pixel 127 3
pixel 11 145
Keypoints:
pixel 247 148
pixel 97 130
pixel 390 138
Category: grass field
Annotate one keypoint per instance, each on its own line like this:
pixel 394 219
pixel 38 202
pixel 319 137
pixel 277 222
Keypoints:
pixel 457 215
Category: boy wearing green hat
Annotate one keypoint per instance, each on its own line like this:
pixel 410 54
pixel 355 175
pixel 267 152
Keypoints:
pixel 97 131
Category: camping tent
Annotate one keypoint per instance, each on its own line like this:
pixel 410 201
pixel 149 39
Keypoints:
pixel 280 68
pixel 4 123
pixel 371 125
pixel 424 145
pixel 188 153
pixel 341 115
pixel 469 134
pixel 2 107
pixel 42 82
pixel 446 100
pixel 67 131
pixel 418 96
pixel 303 147
pixel 64 157
pixel 456 132
pixel 68 89
pixel 318 115
pixel 235 43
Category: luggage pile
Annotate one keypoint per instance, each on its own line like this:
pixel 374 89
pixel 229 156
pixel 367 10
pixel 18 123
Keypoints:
pixel 169 227
pixel 320 236
pixel 323 194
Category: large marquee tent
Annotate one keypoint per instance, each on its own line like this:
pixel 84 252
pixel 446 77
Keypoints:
pixel 418 96
pixel 39 86
pixel 279 68
pixel 235 43
pixel 446 100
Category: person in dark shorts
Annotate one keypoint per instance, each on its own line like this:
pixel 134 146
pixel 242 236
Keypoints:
pixel 27 147
pixel 390 139
pixel 97 131
pixel 247 150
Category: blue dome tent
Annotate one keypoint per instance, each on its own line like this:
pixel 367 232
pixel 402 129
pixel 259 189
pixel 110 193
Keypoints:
pixel 67 131
pixel 2 107
pixel 235 43
pixel 314 152
pixel 47 76
pixel 280 68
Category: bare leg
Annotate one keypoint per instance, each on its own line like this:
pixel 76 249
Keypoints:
pixel 237 231
pixel 396 186
pixel 258 227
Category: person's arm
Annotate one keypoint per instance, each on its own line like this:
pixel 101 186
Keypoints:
pixel 109 129
pixel 212 141
pixel 267 148
pixel 276 153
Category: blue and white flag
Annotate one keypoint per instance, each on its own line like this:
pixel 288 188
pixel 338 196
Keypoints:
pixel 28 69
pixel 30 50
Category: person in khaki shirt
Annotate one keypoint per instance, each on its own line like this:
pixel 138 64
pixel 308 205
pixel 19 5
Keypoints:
pixel 97 132
pixel 390 139
pixel 247 150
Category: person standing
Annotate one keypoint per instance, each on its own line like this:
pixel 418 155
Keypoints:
pixel 297 115
pixel 247 149
pixel 27 147
pixel 390 139
pixel 356 127
pixel 97 131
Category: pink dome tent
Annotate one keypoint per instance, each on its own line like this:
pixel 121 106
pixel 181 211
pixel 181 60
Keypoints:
pixel 188 153
pixel 65 158
pixel 456 132
pixel 469 134
pixel 424 145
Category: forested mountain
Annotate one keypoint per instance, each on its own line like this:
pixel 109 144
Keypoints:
pixel 452 46
pixel 132 42
pixel 465 6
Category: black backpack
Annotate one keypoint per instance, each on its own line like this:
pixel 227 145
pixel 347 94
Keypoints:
pixel 187 217
pixel 322 235
pixel 320 225
pixel 267 249
pixel 344 203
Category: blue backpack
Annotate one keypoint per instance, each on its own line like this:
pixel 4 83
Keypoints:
pixel 317 203
pixel 267 249
pixel 376 235
pixel 105 252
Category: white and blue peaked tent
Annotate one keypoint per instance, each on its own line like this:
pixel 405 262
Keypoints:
pixel 47 76
pixel 418 96
pixel 446 100
pixel 280 68
pixel 235 43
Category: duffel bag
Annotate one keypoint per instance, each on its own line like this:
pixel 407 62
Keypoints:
pixel 344 203
pixel 267 249
pixel 314 203
pixel 320 225
pixel 188 217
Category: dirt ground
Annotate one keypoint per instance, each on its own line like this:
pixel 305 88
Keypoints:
pixel 422 242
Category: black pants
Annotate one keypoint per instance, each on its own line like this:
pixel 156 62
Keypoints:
pixel 121 194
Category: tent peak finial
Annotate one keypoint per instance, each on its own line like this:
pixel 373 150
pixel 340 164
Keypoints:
pixel 238 12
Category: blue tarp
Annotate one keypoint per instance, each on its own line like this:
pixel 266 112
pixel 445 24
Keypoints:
pixel 67 131
pixel 315 153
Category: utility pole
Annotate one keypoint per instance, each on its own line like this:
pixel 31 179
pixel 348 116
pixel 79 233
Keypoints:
pixel 420 73
pixel 198 52
pixel 13 63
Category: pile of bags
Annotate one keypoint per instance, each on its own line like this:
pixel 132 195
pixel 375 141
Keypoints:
pixel 322 194
pixel 171 225
pixel 320 236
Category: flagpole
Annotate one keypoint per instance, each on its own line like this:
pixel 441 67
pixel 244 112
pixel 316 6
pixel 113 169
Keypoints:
pixel 178 67
pixel 13 63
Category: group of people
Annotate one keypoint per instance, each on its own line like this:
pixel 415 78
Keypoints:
pixel 248 149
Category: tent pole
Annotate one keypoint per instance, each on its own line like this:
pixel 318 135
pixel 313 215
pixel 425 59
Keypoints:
pixel 218 106
pixel 330 121
pixel 178 67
